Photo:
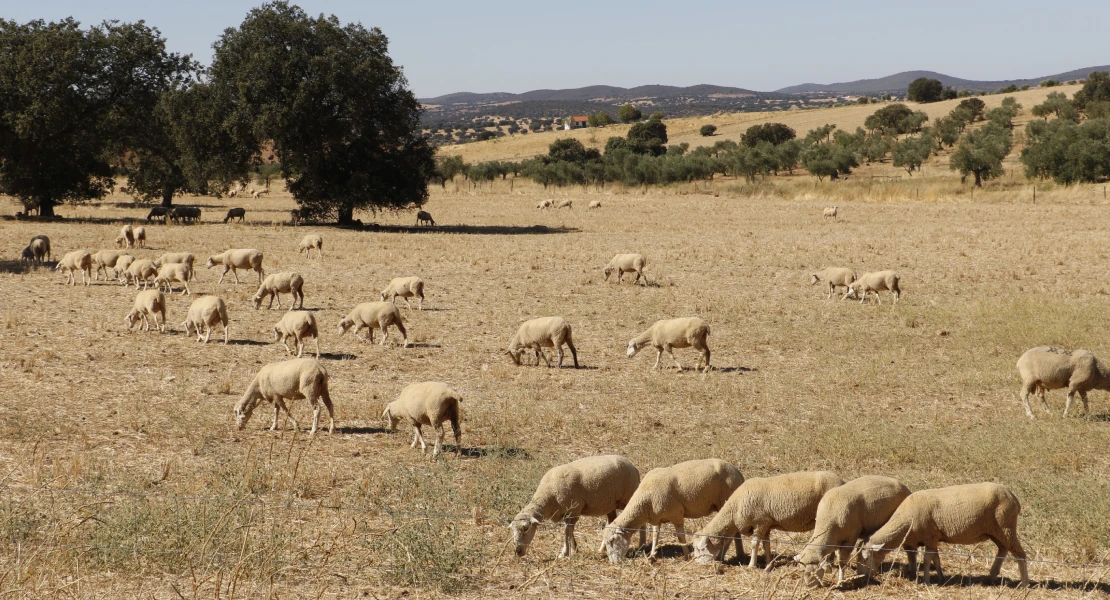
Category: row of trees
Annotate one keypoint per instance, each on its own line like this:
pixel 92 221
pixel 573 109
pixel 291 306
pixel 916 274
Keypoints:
pixel 1074 146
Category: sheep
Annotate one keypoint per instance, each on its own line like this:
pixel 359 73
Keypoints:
pixel 845 515
pixel 786 502
pixel 122 264
pixel 596 486
pixel 28 256
pixel 185 258
pixel 1047 368
pixel 309 242
pixel 297 324
pixel 626 263
pixel 148 303
pixel 103 260
pixel 174 272
pixel 544 205
pixel 206 312
pixel 594 204
pixel 235 213
pixel 830 211
pixel 276 284
pixel 959 514
pixel 123 189
pixel 428 403
pixel 374 315
pixel 405 287
pixel 35 252
pixel 139 270
pixel 566 204
pixel 669 334
pixel 688 490
pixel 78 260
pixel 158 212
pixel 425 218
pixel 233 193
pixel 45 244
pixel 242 258
pixel 126 237
pixel 140 236
pixel 288 380
pixel 834 276
pixel 184 213
pixel 544 332
pixel 259 193
pixel 298 215
pixel 874 282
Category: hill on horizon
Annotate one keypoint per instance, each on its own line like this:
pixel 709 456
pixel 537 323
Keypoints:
pixel 899 82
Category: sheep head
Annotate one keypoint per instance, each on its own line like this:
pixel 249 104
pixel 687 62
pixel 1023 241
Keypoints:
pixel 211 262
pixel 635 346
pixel 246 406
pixel 345 324
pixel 706 547
pixel 608 270
pixel 616 543
pixel 524 529
pixel 390 419
pixel 814 279
pixel 257 300
pixel 129 320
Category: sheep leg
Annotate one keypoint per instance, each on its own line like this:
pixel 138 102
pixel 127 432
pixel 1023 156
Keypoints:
pixel 654 540
pixel 766 549
pixel 560 355
pixel 186 284
pixel 277 412
pixel 759 534
pixel 1025 400
pixel 235 272
pixel 420 304
pixel 317 338
pixel 911 563
pixel 287 349
pixel 658 355
pixel 207 332
pixel 670 351
pixel 609 518
pixel 541 353
pixel 1067 405
pixel 385 332
pixel 569 545
pixel 227 332
pixel 996 567
pixel 1044 400
pixel 1086 407
pixel 844 557
pixel 414 437
pixel 681 533
pixel 420 436
pixel 440 434
pixel 315 416
pixel 370 334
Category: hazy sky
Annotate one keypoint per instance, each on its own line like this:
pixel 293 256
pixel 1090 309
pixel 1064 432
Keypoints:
pixel 516 46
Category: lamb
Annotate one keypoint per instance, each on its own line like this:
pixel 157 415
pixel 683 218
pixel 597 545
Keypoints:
pixel 566 204
pixel 174 272
pixel 297 324
pixel 669 334
pixel 27 256
pixel 546 204
pixel 845 515
pixel 139 270
pixel 428 403
pixel 235 213
pixel 960 514
pixel 206 312
pixel 688 490
pixel 148 303
pixel 277 284
pixel 626 263
pixel 405 287
pixel 1047 368
pixel 374 315
pixel 126 237
pixel 45 244
pixel 544 332
pixel 185 258
pixel 104 260
pixel 78 260
pixel 830 211
pixel 158 212
pixel 242 258
pixel 425 218
pixel 834 276
pixel 786 502
pixel 140 236
pixel 289 380
pixel 874 282
pixel 596 486
pixel 594 204
pixel 309 242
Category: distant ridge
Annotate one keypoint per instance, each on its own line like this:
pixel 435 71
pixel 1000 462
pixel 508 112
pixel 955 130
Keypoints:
pixel 900 81
pixel 593 93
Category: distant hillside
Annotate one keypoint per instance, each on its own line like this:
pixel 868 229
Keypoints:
pixel 900 81
pixel 593 93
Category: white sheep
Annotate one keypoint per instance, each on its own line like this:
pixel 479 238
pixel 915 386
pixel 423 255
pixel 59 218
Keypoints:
pixel 299 325
pixel 126 237
pixel 148 303
pixel 594 204
pixel 405 287
pixel 173 273
pixel 668 334
pixel 830 211
pixel 688 490
pixel 428 403
pixel 140 236
pixel 259 193
pixel 845 515
pixel 103 260
pixel 786 503
pixel 122 264
pixel 544 332
pixel 834 277
pixel 206 312
pixel 288 380
pixel 242 258
pixel 960 514
pixel 310 242
pixel 374 315
pixel 139 270
pixel 876 282
pixel 276 284
pixel 544 205
pixel 597 486
pixel 1047 368
pixel 185 258
pixel 566 204
pixel 626 263
pixel 78 260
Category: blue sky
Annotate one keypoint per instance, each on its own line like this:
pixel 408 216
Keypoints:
pixel 507 46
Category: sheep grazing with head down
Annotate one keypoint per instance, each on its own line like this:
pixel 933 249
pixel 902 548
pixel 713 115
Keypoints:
pixel 425 218
pixel 374 315
pixel 288 380
pixel 544 332
pixel 566 204
pixel 309 243
pixel 276 284
pixel 299 325
pixel 668 334
pixel 78 260
pixel 834 277
pixel 1047 368
pixel 240 258
pixel 174 273
pixel 830 211
pixel 126 237
pixel 140 236
pixel 428 403
pixel 206 312
pixel 594 204
pixel 626 263
pixel 141 270
pixel 235 213
pixel 597 486
pixel 148 305
pixel 35 252
pixel 405 287
pixel 45 244
pixel 545 204
pixel 103 260
pixel 879 281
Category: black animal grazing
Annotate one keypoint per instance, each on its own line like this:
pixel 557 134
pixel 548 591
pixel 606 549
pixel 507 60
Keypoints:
pixel 235 213
pixel 158 212
pixel 423 217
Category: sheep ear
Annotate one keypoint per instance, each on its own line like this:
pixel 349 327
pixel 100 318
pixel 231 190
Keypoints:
pixel 535 520
pixel 876 547
pixel 798 558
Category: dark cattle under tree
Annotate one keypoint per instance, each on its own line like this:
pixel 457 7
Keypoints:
pixel 424 218
pixel 235 213
pixel 158 212
pixel 184 213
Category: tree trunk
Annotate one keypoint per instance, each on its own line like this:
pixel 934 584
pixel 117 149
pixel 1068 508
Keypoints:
pixel 346 214
pixel 167 198
pixel 46 207
pixel 978 179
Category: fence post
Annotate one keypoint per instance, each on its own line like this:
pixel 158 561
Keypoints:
pixel 1034 194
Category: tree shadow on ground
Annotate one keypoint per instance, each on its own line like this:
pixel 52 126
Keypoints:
pixel 491 452
pixel 356 430
pixel 335 356
pixel 735 369
pixel 246 342
pixel 471 229
pixel 14 266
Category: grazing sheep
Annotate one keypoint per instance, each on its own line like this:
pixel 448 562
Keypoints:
pixel 544 205
pixel 298 215
pixel 122 264
pixel 688 490
pixel 566 204
pixel 424 218
pixel 78 260
pixel 235 213
pixel 206 312
pixel 834 276
pixel 830 211
pixel 126 237
pixel 288 380
pixel 259 193
pixel 1047 368
pixel 876 282
pixel 845 515
pixel 139 270
pixel 594 204
pixel 140 236
pixel 276 284
pixel 232 194
pixel 185 258
pixel 405 287
pixel 174 273
pixel 597 486
pixel 123 189
pixel 786 502
pixel 544 332
pixel 148 303
pixel 308 243
pixel 27 256
pixel 669 334
pixel 35 252
pixel 184 213
pixel 626 263
pixel 428 403
pixel 374 315
pixel 242 258
pixel 46 243
pixel 103 260
pixel 158 212
pixel 960 514
pixel 297 324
